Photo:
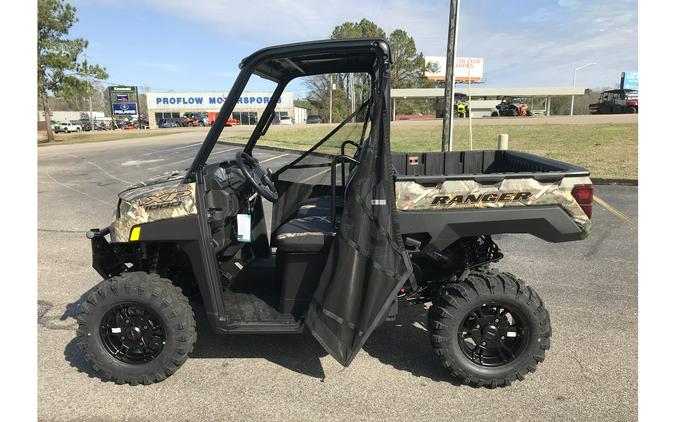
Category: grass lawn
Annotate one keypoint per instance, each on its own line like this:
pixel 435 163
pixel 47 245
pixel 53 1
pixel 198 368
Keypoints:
pixel 608 150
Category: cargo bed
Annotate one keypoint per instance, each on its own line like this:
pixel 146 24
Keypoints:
pixel 487 166
pixel 444 196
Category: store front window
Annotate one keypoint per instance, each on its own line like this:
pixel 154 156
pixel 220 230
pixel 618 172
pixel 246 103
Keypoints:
pixel 246 117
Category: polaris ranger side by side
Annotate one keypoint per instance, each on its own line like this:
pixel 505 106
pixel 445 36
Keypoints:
pixel 388 228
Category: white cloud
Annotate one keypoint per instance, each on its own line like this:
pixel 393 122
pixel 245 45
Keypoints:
pixel 530 47
pixel 161 66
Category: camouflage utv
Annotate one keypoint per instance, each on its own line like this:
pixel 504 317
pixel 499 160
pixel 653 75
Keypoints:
pixel 353 233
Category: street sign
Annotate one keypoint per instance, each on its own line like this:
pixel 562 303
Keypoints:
pixel 629 80
pixel 122 89
pixel 124 109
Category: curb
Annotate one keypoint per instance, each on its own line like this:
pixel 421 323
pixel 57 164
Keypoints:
pixel 619 182
pixel 595 180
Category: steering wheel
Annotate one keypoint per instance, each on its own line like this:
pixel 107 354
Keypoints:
pixel 257 176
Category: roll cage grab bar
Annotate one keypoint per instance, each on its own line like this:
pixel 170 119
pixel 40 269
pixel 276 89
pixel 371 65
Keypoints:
pixel 333 182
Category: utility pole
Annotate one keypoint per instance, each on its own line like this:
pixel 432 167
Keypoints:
pixel 448 110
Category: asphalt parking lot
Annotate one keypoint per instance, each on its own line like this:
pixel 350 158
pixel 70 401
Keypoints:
pixel 590 288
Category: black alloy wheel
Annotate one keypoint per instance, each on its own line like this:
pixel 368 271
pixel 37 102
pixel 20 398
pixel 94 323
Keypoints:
pixel 492 335
pixel 136 328
pixel 489 328
pixel 132 333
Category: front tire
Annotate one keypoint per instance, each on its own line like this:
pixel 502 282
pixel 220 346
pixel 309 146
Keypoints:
pixel 136 328
pixel 489 329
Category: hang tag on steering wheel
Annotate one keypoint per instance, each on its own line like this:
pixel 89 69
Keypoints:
pixel 244 227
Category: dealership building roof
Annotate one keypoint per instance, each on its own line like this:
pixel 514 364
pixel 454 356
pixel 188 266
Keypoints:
pixel 489 92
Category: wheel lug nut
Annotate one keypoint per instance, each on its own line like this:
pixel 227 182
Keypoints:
pixel 122 337
pixel 497 320
pixel 502 337
pixel 484 343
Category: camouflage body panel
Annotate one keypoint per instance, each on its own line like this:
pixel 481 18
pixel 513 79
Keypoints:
pixel 161 198
pixel 454 194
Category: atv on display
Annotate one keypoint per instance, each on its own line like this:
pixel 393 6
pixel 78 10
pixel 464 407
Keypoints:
pixel 343 251
pixel 511 107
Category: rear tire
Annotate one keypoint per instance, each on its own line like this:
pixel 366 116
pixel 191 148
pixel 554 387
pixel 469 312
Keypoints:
pixel 501 359
pixel 632 110
pixel 143 363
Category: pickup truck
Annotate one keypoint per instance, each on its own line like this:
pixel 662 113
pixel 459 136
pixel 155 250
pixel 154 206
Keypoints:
pixel 339 255
pixel 68 127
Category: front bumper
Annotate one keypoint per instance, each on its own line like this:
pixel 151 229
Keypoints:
pixel 105 260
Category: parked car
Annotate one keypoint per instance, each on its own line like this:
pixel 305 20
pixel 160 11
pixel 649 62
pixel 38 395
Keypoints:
pixel 285 120
pixel 68 127
pixel 313 119
pixel 194 119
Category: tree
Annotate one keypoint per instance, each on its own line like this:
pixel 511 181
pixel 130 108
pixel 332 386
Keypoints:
pixel 362 29
pixel 58 67
pixel 407 71
pixel 408 68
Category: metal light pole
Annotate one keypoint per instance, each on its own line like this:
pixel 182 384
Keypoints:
pixel 330 101
pixel 448 110
pixel 574 83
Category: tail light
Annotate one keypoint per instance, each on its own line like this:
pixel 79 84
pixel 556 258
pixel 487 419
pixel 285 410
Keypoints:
pixel 583 194
pixel 632 103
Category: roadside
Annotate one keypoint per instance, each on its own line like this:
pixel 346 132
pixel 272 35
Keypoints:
pixel 606 145
pixel 106 135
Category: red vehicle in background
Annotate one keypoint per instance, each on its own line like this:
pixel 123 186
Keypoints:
pixel 230 122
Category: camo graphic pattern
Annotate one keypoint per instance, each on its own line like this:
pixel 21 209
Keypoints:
pixel 155 201
pixel 453 194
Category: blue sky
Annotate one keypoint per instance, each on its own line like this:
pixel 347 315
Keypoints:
pixel 197 44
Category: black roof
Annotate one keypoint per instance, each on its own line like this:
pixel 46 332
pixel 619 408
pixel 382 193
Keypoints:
pixel 285 62
pixel 619 90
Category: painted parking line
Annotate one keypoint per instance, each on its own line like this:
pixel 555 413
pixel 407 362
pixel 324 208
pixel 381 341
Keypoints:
pixel 172 149
pixel 618 214
pixel 273 158
pixel 189 159
pixel 307 179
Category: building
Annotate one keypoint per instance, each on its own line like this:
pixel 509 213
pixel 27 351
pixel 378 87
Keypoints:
pixel 173 105
pixel 484 100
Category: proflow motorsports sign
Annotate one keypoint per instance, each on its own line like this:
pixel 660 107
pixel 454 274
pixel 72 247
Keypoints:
pixel 212 101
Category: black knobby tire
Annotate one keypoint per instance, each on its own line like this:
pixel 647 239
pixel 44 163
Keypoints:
pixel 159 297
pixel 475 290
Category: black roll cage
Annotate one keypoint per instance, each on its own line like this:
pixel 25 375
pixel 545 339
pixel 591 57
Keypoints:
pixel 282 64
